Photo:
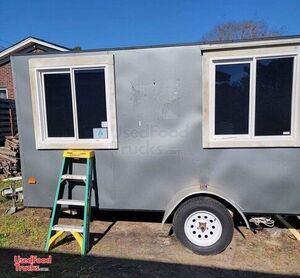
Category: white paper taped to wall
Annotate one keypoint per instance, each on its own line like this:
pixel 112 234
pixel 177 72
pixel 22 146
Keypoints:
pixel 104 124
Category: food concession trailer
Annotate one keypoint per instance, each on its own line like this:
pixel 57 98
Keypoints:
pixel 199 131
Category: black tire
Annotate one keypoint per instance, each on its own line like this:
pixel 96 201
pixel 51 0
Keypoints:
pixel 209 205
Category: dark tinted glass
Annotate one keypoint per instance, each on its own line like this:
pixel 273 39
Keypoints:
pixel 3 93
pixel 59 109
pixel 232 99
pixel 91 102
pixel 274 80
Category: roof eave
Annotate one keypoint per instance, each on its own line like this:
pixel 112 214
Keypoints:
pixel 26 42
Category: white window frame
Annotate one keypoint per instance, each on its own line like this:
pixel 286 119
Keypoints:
pixel 38 67
pixel 210 60
pixel 6 91
pixel 213 96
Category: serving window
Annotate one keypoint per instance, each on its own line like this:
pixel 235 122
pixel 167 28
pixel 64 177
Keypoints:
pixel 250 101
pixel 74 102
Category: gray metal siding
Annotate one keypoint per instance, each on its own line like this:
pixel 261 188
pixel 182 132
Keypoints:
pixel 158 98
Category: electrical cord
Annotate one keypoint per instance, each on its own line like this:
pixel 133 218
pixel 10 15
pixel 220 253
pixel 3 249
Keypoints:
pixel 267 221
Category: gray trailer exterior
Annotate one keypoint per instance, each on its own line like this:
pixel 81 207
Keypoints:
pixel 160 159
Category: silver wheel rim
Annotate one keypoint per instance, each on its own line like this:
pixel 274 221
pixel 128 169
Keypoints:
pixel 203 228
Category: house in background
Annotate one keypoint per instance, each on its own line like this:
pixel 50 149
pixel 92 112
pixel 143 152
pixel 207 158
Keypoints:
pixel 28 45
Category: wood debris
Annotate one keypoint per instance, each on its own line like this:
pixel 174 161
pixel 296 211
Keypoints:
pixel 10 157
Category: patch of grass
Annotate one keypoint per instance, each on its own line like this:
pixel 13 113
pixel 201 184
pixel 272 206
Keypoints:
pixel 22 230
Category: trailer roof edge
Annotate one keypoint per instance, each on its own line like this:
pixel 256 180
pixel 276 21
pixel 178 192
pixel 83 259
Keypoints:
pixel 205 46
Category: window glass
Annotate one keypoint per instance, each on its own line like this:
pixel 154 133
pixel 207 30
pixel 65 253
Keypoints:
pixel 274 78
pixel 59 111
pixel 232 99
pixel 91 103
pixel 3 93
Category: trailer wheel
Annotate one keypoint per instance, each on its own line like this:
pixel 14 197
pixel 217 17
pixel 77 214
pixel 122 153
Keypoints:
pixel 203 225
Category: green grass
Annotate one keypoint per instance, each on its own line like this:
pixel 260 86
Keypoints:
pixel 21 229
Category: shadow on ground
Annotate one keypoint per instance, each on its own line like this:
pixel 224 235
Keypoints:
pixel 127 215
pixel 132 216
pixel 67 265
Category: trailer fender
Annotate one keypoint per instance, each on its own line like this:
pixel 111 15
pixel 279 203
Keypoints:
pixel 199 190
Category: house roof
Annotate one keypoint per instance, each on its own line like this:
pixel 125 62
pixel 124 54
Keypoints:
pixel 19 46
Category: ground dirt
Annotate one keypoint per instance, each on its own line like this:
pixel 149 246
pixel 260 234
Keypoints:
pixel 133 245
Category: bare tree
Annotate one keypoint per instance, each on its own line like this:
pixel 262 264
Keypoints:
pixel 77 48
pixel 230 31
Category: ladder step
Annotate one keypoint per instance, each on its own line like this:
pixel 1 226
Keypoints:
pixel 68 228
pixel 73 177
pixel 70 202
pixel 66 177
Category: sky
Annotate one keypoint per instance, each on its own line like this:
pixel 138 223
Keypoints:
pixel 119 23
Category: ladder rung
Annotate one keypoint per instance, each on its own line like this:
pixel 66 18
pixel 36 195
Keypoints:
pixel 73 177
pixel 68 228
pixel 70 202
